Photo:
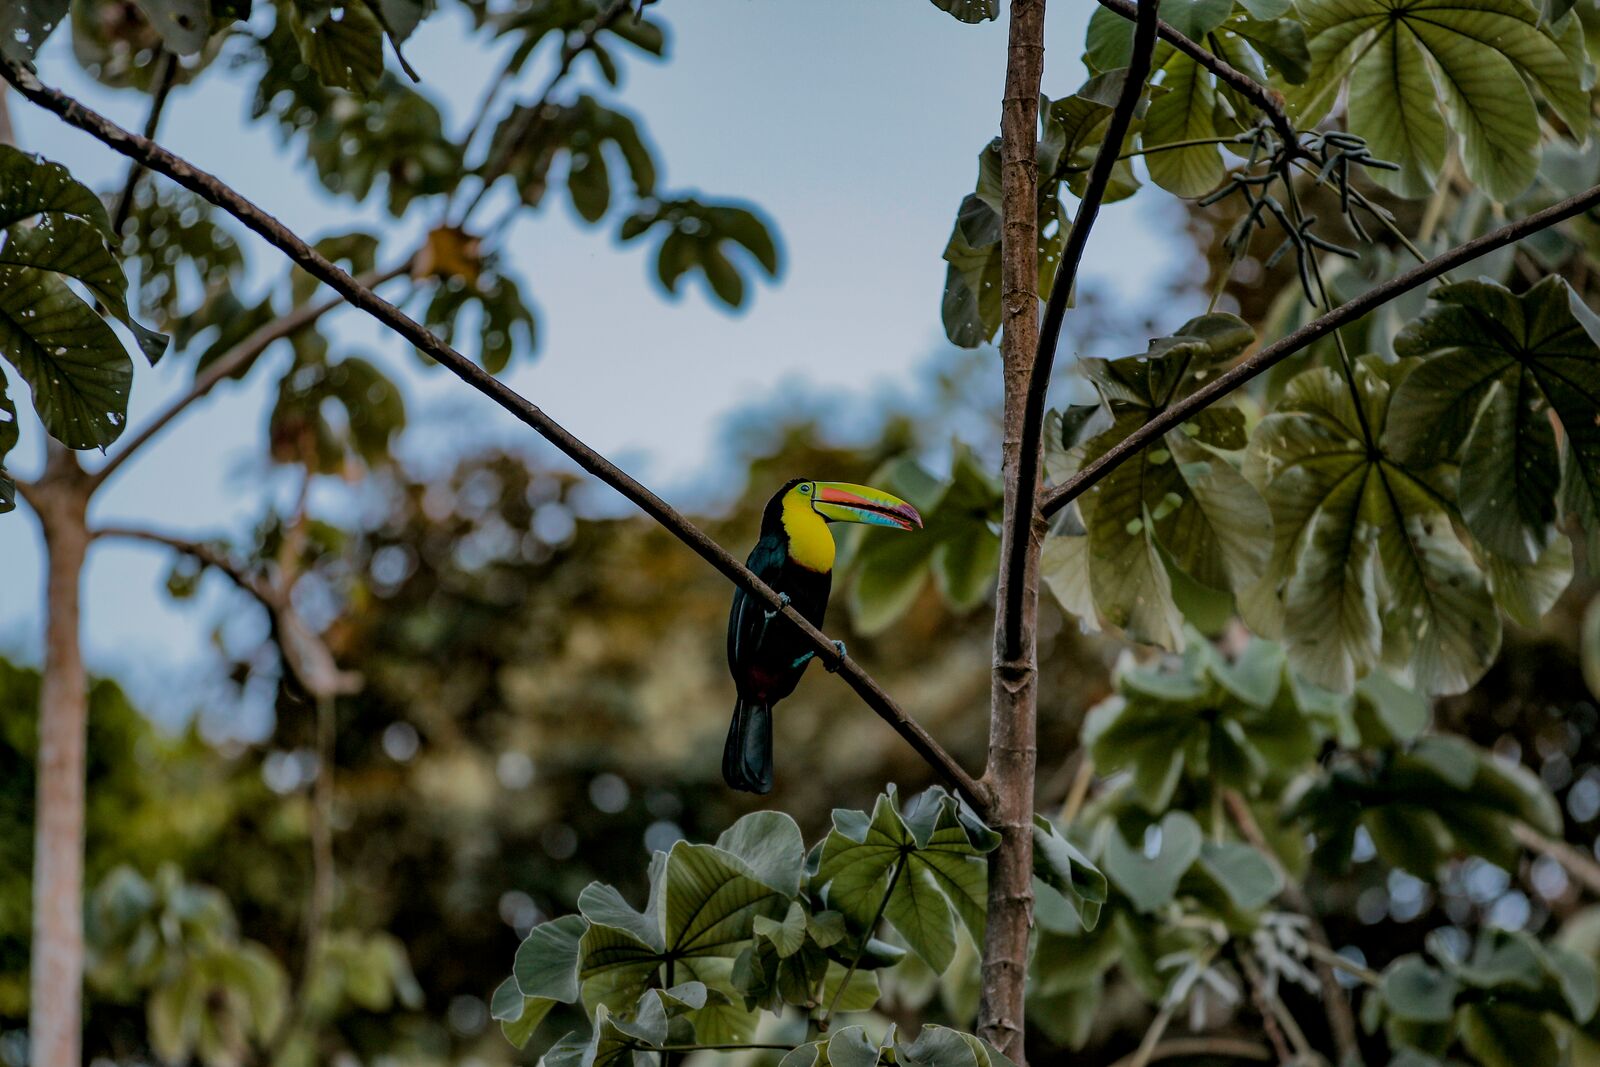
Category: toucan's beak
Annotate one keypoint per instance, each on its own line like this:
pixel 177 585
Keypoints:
pixel 844 502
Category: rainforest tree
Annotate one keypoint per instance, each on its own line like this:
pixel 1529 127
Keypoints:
pixel 1325 514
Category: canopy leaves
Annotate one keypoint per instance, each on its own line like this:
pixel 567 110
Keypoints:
pixel 1418 70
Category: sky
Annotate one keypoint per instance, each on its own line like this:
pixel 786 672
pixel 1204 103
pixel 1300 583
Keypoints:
pixel 854 125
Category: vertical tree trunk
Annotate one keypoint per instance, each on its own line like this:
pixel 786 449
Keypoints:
pixel 56 982
pixel 1014 694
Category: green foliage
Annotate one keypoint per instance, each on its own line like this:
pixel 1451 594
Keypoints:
pixel 1487 57
pixel 56 230
pixel 208 993
pixel 753 925
pixel 1182 507
pixel 533 21
pixel 1513 1000
pixel 958 546
pixel 699 237
pixel 1498 366
pixel 530 143
pixel 25 24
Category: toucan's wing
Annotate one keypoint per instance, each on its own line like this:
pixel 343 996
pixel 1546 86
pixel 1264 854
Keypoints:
pixel 747 622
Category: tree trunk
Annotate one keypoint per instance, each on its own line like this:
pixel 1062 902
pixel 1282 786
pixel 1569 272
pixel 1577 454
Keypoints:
pixel 56 991
pixel 1014 681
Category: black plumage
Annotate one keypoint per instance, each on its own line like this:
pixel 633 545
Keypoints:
pixel 767 653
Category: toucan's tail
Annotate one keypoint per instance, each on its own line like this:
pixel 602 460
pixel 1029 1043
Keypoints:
pixel 747 756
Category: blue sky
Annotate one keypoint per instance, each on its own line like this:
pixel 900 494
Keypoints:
pixel 855 125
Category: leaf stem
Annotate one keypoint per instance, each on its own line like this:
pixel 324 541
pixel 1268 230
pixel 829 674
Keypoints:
pixel 166 77
pixel 861 950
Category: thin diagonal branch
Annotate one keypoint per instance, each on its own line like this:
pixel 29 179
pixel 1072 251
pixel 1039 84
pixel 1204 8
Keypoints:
pixel 1028 460
pixel 166 78
pixel 230 362
pixel 1259 95
pixel 314 263
pixel 255 585
pixel 1060 496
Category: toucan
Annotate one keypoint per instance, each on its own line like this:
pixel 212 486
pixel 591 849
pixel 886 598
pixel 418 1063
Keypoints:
pixel 767 653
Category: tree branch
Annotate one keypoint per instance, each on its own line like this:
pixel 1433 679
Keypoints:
pixel 1270 103
pixel 1575 861
pixel 314 263
pixel 1341 1021
pixel 232 361
pixel 1058 497
pixel 306 657
pixel 1028 460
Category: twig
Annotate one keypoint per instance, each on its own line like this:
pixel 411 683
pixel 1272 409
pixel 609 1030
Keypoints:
pixel 1146 1051
pixel 1240 82
pixel 231 361
pixel 166 77
pixel 1224 1047
pixel 1269 1007
pixel 1030 458
pixel 281 237
pixel 1061 495
pixel 256 586
pixel 1341 1020
pixel 1366 975
pixel 1573 860
pixel 1079 792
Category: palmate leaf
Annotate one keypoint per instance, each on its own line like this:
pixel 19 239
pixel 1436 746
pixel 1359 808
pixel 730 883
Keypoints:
pixel 1497 367
pixel 1412 63
pixel 1179 505
pixel 970 10
pixel 933 854
pixel 717 239
pixel 1367 563
pixel 1239 725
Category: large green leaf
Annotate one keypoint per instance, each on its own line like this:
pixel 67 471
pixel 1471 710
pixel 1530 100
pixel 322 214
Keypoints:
pixel 1497 366
pixel 1367 562
pixel 1183 113
pixel 933 855
pixel 1180 504
pixel 72 361
pixel 1149 877
pixel 1209 722
pixel 1409 61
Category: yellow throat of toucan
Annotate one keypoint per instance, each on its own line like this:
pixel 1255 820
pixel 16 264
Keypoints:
pixel 810 540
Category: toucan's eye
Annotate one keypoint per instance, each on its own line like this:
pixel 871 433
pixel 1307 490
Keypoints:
pixel 806 489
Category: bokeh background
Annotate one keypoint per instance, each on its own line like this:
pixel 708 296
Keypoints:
pixel 544 694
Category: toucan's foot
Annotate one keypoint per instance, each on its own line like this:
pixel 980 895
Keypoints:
pixel 783 602
pixel 838 647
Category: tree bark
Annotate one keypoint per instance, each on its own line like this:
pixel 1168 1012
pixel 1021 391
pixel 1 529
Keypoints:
pixel 55 1021
pixel 1009 777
